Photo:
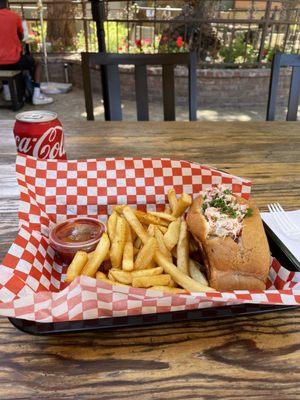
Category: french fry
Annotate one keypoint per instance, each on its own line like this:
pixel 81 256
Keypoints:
pixel 168 289
pixel 100 275
pixel 150 229
pixel 163 215
pixel 133 235
pixel 172 283
pixel 135 224
pixel 148 281
pixel 121 276
pixel 119 208
pixel 167 209
pixel 98 257
pixel 117 283
pixel 143 246
pixel 128 233
pixel 147 272
pixel 146 254
pixel 147 218
pixel 182 204
pixel 161 244
pixel 183 249
pixel 118 243
pixel 111 225
pixel 90 255
pixel 76 266
pixel 152 264
pixel 195 272
pixel 163 229
pixel 126 277
pixel 179 277
pixel 127 263
pixel 137 244
pixel 110 276
pixel 172 234
pixel 174 251
pixel 172 198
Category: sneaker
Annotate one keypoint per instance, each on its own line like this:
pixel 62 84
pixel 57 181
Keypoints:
pixel 6 93
pixel 41 99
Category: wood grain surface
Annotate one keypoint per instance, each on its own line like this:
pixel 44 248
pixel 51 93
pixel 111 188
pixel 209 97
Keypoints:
pixel 254 357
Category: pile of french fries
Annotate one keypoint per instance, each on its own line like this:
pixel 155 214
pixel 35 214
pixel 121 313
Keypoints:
pixel 145 250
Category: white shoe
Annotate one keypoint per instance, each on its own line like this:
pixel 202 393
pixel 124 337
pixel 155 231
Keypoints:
pixel 6 93
pixel 41 99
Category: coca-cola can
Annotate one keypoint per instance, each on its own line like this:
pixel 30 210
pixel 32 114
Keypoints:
pixel 39 134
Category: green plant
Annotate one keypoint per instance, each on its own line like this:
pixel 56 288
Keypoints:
pixel 92 39
pixel 173 45
pixel 115 34
pixel 35 37
pixel 116 39
pixel 238 52
pixel 269 53
pixel 149 46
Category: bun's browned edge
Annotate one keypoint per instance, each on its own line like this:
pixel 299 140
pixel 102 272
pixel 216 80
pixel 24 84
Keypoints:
pixel 230 265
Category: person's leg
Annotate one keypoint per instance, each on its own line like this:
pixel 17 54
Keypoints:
pixel 34 66
pixel 6 90
pixel 37 71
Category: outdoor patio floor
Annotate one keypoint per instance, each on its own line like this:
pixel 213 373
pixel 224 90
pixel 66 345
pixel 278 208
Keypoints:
pixel 71 106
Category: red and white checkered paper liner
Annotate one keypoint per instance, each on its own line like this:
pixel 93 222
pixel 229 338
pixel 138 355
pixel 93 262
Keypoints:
pixel 32 278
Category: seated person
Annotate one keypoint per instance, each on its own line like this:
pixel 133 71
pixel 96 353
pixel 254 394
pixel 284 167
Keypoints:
pixel 11 34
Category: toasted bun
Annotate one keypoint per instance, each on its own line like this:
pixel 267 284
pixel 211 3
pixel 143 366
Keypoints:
pixel 230 265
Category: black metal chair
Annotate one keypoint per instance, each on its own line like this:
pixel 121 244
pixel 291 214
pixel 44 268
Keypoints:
pixel 111 82
pixel 16 87
pixel 285 60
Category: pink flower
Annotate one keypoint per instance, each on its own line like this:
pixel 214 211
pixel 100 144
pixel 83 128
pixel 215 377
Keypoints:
pixel 179 42
pixel 147 41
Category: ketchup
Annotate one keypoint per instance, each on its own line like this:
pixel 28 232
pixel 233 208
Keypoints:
pixel 76 234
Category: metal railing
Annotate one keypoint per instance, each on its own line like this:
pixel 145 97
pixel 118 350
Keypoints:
pixel 224 33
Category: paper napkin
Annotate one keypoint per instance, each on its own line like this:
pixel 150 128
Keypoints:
pixel 292 244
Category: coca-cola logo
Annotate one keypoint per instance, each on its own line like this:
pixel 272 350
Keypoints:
pixel 49 145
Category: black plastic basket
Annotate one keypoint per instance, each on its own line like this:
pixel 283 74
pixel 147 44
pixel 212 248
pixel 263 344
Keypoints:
pixel 41 328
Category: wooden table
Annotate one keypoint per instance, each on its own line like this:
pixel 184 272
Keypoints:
pixel 255 357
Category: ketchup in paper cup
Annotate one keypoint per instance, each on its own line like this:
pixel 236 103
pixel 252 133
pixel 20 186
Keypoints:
pixel 76 234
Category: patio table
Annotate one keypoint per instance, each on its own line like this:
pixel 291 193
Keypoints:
pixel 253 357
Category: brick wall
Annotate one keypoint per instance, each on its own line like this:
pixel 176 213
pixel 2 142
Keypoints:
pixel 216 87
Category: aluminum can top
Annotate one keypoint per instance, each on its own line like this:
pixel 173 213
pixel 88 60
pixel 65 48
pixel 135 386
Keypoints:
pixel 36 116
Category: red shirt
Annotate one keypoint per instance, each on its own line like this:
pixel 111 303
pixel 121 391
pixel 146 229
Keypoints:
pixel 10 45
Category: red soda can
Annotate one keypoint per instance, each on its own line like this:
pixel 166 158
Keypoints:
pixel 39 134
